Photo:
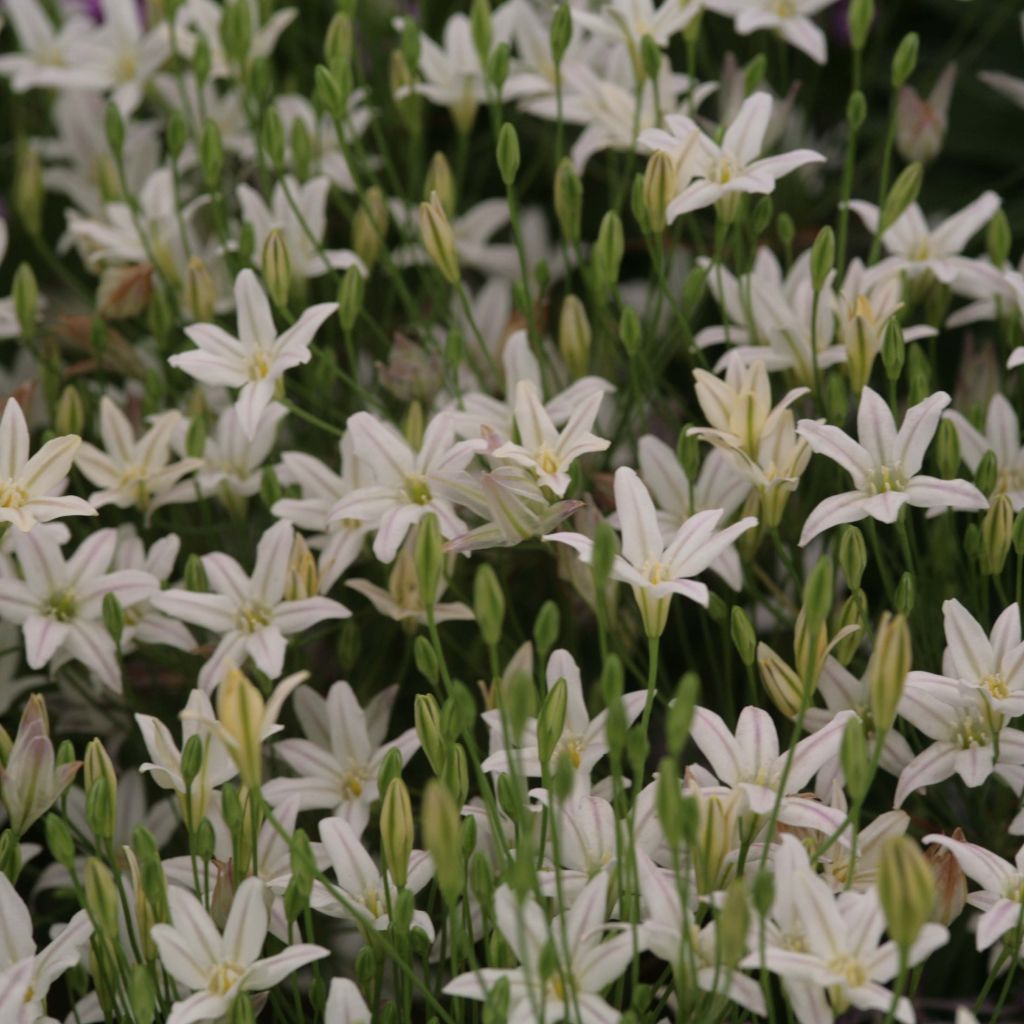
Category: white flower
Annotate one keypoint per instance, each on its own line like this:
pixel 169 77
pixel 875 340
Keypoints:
pixel 405 481
pixel 345 1004
pixel 1001 896
pixel 791 19
pixel 916 248
pixel 27 483
pixel 131 54
pixel 653 569
pixel 718 486
pixel 338 541
pixel 255 360
pixel 164 766
pixel 921 123
pixel 338 765
pixel 133 472
pixel 361 883
pixel 587 963
pixel 885 466
pixel 218 967
pixel 17 946
pixel 970 739
pixel 250 613
pixel 1002 438
pixel 750 761
pixel 306 255
pixel 709 173
pixel 667 928
pixel 993 665
pixel 828 949
pixel 1009 85
pixel 59 603
pixel 542 447
pixel 584 739
pixel 633 19
pixel 68 56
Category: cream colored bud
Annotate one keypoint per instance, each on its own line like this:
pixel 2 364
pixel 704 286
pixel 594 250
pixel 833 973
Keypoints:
pixel 277 267
pixel 996 535
pixel 396 830
pixel 69 416
pixel 906 889
pixel 438 238
pixel 440 821
pixel 240 709
pixel 950 881
pixel 370 226
pixel 303 580
pixel 888 668
pixel 440 180
pixel 200 290
pixel 779 680
pixel 659 187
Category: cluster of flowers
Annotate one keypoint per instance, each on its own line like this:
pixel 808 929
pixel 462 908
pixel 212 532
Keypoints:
pixel 610 427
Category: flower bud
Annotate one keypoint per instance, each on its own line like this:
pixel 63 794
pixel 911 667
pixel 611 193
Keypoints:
pixel 200 289
pixel 904 191
pixel 438 239
pixel 100 809
pixel 987 473
pixel 551 720
pixel 743 636
pixel 488 604
pixel 855 760
pixel 659 188
pixel 786 229
pixel 97 765
pixel 350 298
pixel 508 154
pixel 69 416
pixel 823 257
pixel 852 612
pixel 859 18
pixel 906 594
pixel 609 249
pixel 429 556
pixel 950 881
pixel 894 350
pixel 277 269
pixel 630 330
pixel 887 670
pixel 28 192
pixel 761 216
pixel 113 617
pixel 779 680
pixel 905 59
pixel 425 659
pixel 818 591
pixel 733 924
pixel 427 719
pixel 906 889
pixel 396 829
pixel 568 191
pixel 439 818
pixel 856 110
pixel 303 580
pixel 947 450
pixel 59 840
pixel 403 94
pixel 456 774
pixel 921 123
pixel 996 535
pixel 574 335
pixel 25 290
pixel 440 180
pixel 101 898
pixel 370 227
pixel 546 628
pixel 240 708
pixel 561 32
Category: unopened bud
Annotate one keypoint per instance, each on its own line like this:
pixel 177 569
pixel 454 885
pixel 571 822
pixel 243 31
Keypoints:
pixel 996 535
pixel 568 191
pixel 508 154
pixel 427 718
pixel 438 239
pixel 546 628
pixel 823 257
pixel 28 192
pixel 859 17
pixel 659 188
pixel 200 289
pixel 609 249
pixel 277 268
pixel 998 238
pixel 743 636
pixel 350 298
pixel 429 555
pixel 396 829
pixel 853 756
pixel 440 180
pixel 852 612
pixel 888 668
pixel 906 889
pixel 987 473
pixel 101 898
pixel 240 709
pixel 440 823
pixel 370 226
pixel 551 720
pixel 947 450
pixel 894 350
pixel 733 924
pixel 25 290
pixel 905 59
pixel 488 604
pixel 904 191
pixel 69 416
pixel 950 881
pixel 780 681
pixel 574 335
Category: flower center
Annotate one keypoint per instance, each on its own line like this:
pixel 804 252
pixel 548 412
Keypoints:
pixel 972 732
pixel 12 494
pixel 259 366
pixel 253 617
pixel 996 685
pixel 418 490
pixel 785 8
pixel 547 460
pixel 887 478
pixel 61 605
pixel 851 970
pixel 352 783
pixel 224 977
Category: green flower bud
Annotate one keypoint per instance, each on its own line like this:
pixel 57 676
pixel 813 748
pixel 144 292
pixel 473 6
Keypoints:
pixel 859 18
pixel 658 188
pixel 906 889
pixel 25 290
pixel 606 548
pixel 853 555
pixel 650 57
pixel 30 195
pixel 987 473
pixel 427 718
pixel 277 267
pixel 350 298
pixel 508 154
pixel 429 556
pixel 551 720
pixel 733 924
pixel 668 799
pixel 195 575
pixel 904 191
pixel 823 257
pixel 630 330
pixel 904 61
pixel 609 249
pixel 762 215
pixel 894 350
pixel 480 27
pixel 574 335
pixel 339 40
pixel 396 830
pixel 852 612
pixel 947 450
pixel 546 628
pixel 887 670
pixel 743 636
pixel 426 660
pixel 754 75
pixel 786 229
pixel 438 239
pixel 100 809
pixel 996 535
pixel 818 591
pixel 59 840
pixel 856 110
pixel 456 774
pixel 141 995
pixel 855 760
pixel 113 617
pixel 370 226
pixel 488 604
pixel 200 290
pixel 568 190
pixel 561 32
pixel 101 898
pixel 439 819
pixel 782 684
pixel 906 594
pixel 762 893
pixel 114 124
pixel 69 416
pixel 302 149
pixel 1018 534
